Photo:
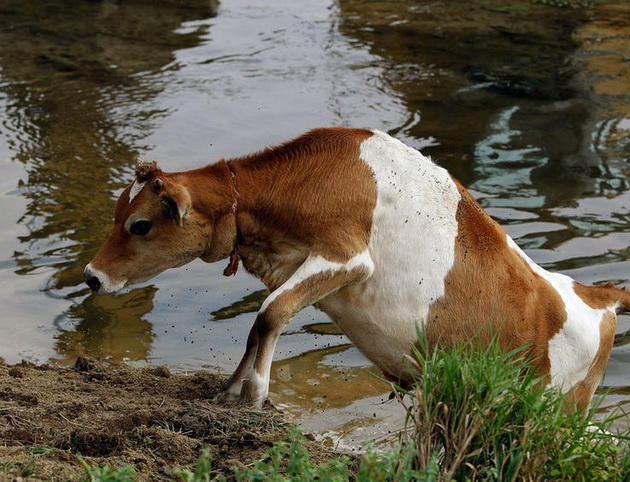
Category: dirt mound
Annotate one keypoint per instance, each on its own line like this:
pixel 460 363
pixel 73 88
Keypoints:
pixel 111 415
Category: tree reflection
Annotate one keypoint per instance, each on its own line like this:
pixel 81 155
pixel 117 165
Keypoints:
pixel 78 81
pixel 323 383
pixel 462 67
pixel 250 303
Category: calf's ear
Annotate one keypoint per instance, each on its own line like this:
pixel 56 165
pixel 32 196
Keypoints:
pixel 176 204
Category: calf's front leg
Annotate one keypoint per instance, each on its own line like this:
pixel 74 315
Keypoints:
pixel 316 278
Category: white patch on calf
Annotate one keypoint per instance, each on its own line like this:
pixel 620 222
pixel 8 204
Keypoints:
pixel 315 265
pixel 412 245
pixel 573 349
pixel 136 187
pixel 259 385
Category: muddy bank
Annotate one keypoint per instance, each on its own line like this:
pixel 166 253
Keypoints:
pixel 112 415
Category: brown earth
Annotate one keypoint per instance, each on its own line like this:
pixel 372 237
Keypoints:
pixel 112 415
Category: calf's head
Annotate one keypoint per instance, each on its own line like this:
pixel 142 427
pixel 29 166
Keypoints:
pixel 155 228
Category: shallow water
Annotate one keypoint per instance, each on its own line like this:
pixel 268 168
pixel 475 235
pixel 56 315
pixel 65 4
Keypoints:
pixel 87 87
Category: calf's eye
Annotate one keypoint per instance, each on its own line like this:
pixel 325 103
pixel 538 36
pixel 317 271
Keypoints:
pixel 141 227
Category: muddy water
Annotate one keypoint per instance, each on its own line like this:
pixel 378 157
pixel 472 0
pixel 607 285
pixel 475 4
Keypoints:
pixel 528 105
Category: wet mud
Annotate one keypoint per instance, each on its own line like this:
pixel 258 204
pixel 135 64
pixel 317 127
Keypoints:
pixel 114 415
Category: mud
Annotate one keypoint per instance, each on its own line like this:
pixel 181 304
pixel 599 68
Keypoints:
pixel 114 415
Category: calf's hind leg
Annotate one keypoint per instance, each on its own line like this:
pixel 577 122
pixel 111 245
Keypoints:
pixel 581 394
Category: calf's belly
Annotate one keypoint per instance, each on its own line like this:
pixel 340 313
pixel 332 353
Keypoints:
pixel 383 331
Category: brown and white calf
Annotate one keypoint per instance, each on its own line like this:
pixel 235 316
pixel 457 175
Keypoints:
pixel 374 234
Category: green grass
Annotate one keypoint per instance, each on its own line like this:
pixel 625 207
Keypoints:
pixel 125 473
pixel 480 416
pixel 18 469
pixel 474 414
pixel 203 469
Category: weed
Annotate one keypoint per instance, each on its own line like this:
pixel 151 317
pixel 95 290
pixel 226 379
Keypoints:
pixel 290 461
pixel 125 473
pixel 481 415
pixel 203 467
pixel 45 450
pixel 18 469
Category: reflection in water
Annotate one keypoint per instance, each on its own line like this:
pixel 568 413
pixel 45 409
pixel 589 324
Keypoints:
pixel 322 383
pixel 335 392
pixel 248 304
pixel 78 82
pixel 109 327
pixel 457 64
pixel 72 68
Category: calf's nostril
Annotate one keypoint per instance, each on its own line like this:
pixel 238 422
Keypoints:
pixel 93 282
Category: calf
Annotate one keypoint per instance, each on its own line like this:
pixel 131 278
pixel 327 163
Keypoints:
pixel 374 234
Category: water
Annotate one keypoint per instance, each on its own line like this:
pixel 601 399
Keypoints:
pixel 87 87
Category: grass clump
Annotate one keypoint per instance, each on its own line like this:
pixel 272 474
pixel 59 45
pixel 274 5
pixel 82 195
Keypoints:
pixel 287 460
pixel 94 473
pixel 203 469
pixel 480 415
pixel 290 460
pixel 18 469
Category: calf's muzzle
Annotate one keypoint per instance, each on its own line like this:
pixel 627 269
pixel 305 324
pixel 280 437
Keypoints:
pixel 91 279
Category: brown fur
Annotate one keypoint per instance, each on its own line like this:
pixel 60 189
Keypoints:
pixel 602 296
pixel 301 211
pixel 504 296
pixel 138 258
pixel 298 209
